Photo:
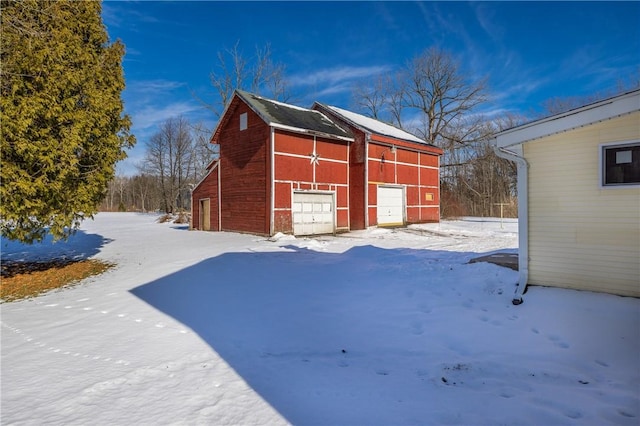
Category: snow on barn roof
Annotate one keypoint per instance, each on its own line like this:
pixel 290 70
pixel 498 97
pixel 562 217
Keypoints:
pixel 372 125
pixel 291 117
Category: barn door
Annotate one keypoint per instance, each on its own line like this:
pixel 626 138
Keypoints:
pixel 313 213
pixel 390 206
pixel 205 215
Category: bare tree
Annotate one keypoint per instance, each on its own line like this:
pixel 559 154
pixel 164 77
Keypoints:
pixel 473 179
pixel 558 105
pixel 432 85
pixel 143 187
pixel 107 203
pixel 383 100
pixel 138 193
pixel 169 157
pixel 631 82
pixel 203 151
pixel 476 182
pixel 372 98
pixel 436 88
pixel 176 158
pixel 257 74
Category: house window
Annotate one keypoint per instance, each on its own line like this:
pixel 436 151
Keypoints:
pixel 243 121
pixel 621 164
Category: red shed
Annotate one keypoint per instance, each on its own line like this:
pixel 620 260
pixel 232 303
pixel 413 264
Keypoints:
pixel 395 176
pixel 288 169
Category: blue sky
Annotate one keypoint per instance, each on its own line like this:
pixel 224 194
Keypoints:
pixel 529 51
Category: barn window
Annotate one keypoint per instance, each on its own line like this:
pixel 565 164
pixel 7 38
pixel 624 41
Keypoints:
pixel 243 121
pixel 621 164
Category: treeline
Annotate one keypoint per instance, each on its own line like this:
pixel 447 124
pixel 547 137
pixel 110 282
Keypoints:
pixel 479 184
pixel 176 159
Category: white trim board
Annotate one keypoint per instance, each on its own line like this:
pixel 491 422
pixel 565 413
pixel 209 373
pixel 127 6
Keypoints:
pixel 576 118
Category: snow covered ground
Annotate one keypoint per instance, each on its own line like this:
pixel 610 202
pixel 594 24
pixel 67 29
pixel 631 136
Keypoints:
pixel 374 327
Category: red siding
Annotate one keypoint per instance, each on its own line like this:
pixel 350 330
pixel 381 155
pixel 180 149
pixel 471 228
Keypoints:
pixel 429 160
pixel 208 188
pixel 283 195
pixel 357 178
pixel 406 174
pixel 332 172
pixel 283 221
pixel 295 170
pixel 342 219
pixel 329 149
pixel 404 156
pixel 293 144
pixel 342 196
pixel 429 177
pixel 244 178
pixel 376 151
pixel 373 195
pixel 412 146
pixel 416 171
pixel 413 195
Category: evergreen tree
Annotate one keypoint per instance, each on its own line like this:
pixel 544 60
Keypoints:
pixel 63 127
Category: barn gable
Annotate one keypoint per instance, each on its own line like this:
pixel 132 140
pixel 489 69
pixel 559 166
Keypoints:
pixel 296 119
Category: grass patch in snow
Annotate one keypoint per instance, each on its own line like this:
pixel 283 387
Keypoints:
pixel 21 280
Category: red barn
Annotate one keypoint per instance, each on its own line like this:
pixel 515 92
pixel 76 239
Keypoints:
pixel 394 175
pixel 288 169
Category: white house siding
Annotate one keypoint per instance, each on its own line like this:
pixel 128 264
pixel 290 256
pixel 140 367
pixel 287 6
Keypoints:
pixel 581 235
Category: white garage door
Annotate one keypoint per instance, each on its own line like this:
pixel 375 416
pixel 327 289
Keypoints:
pixel 312 213
pixel 390 206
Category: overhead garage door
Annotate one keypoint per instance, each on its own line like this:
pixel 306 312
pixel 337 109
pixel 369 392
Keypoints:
pixel 390 205
pixel 313 213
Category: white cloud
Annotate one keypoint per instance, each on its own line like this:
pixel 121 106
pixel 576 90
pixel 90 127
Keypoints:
pixel 150 102
pixel 151 116
pixel 336 75
pixel 485 15
pixel 121 15
pixel 152 87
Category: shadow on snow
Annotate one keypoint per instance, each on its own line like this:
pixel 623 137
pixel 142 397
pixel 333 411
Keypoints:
pixel 79 246
pixel 313 332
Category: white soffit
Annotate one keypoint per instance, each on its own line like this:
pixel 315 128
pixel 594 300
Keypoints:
pixel 590 114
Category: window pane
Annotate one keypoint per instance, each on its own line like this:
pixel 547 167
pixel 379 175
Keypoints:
pixel 622 165
pixel 243 121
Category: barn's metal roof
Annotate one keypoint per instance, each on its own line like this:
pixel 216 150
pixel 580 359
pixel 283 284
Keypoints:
pixel 371 125
pixel 285 116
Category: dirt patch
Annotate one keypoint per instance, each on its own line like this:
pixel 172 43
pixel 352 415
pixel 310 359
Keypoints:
pixel 20 280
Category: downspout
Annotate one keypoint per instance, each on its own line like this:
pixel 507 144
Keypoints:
pixel 523 218
pixel 191 187
pixel 348 189
pixel 439 193
pixel 218 166
pixel 314 184
pixel 272 214
pixel 366 180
